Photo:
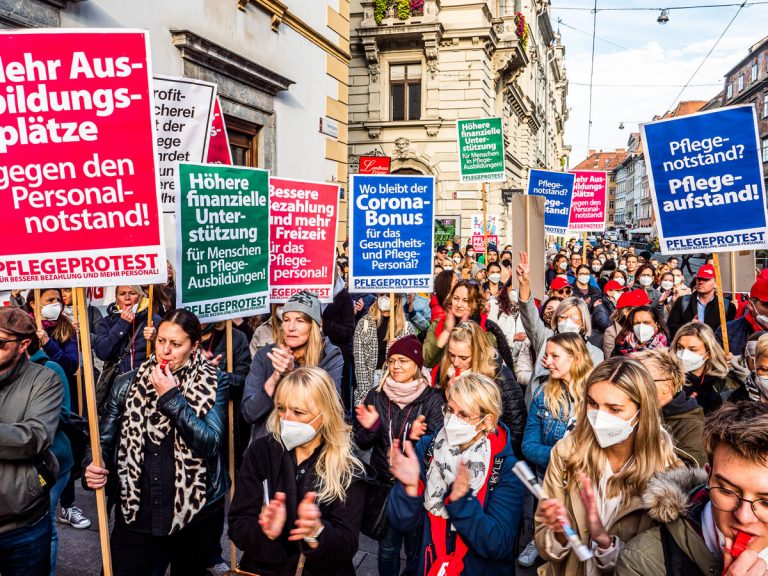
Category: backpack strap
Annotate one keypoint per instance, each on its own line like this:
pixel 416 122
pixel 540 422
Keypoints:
pixel 676 561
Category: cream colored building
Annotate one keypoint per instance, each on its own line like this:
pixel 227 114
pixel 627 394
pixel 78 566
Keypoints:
pixel 418 67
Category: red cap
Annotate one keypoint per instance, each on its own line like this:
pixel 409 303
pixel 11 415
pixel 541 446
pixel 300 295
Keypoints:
pixel 759 290
pixel 634 298
pixel 707 271
pixel 612 286
pixel 558 283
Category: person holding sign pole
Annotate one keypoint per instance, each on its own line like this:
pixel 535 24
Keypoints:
pixel 701 305
pixel 162 439
pixel 299 496
pixel 300 342
pixel 372 339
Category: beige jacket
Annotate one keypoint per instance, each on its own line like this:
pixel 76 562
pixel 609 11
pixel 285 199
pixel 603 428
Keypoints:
pixel 631 519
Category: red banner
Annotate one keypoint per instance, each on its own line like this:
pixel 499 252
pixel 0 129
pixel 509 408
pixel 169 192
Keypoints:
pixel 78 181
pixel 219 151
pixel 375 164
pixel 302 238
pixel 478 243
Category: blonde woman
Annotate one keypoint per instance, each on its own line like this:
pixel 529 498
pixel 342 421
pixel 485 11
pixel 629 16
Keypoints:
pixel 597 474
pixel 404 406
pixel 458 486
pixel 705 366
pixel 300 492
pixel 554 407
pixel 300 342
pixel 371 340
pixel 469 350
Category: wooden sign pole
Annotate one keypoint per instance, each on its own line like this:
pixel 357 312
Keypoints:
pixel 79 356
pixel 720 301
pixel 231 433
pixel 149 316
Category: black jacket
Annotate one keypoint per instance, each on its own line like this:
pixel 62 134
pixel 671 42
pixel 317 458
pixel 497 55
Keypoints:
pixel 267 459
pixel 601 315
pixel 685 309
pixel 113 339
pixel 241 355
pixel 396 420
pixel 339 322
pixel 590 296
pixel 514 413
pixel 205 436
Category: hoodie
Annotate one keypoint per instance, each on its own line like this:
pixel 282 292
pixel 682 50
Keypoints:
pixel 684 420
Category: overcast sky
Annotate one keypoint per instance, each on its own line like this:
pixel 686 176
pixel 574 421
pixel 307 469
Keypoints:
pixel 649 62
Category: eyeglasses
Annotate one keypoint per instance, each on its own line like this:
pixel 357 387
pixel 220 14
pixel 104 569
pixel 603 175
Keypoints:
pixel 448 411
pixel 4 342
pixel 728 501
pixel 398 362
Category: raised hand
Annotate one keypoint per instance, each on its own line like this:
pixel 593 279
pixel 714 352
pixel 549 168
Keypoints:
pixel 523 273
pixel 272 517
pixel 366 415
pixel 418 428
pixel 282 359
pixel 308 522
pixel 405 467
pixel 460 485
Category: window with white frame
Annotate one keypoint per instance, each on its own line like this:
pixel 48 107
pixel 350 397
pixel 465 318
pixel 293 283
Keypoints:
pixel 405 91
pixel 765 149
pixel 765 104
pixel 754 71
pixel 729 90
pixel 741 82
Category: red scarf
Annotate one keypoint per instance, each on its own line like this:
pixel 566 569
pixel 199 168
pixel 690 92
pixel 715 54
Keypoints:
pixel 752 321
pixel 438 331
pixel 454 561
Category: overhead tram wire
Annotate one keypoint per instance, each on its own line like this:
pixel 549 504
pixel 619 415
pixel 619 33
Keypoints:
pixel 657 9
pixel 741 7
pixel 592 74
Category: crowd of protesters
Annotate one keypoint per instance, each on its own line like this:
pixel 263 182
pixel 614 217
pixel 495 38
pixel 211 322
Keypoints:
pixel 402 417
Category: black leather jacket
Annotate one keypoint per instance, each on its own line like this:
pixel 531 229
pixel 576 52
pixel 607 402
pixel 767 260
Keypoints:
pixel 205 436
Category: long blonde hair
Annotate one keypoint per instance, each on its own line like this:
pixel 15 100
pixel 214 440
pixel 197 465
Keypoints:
pixel 484 356
pixel 565 398
pixel 654 452
pixel 313 349
pixel 716 364
pixel 337 466
pixel 396 313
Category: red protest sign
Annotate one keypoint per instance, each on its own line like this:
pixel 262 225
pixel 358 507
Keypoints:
pixel 478 242
pixel 590 191
pixel 219 151
pixel 78 179
pixel 302 238
pixel 375 164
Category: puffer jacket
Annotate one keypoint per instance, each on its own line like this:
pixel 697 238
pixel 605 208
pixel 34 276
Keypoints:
pixel 205 436
pixel 676 499
pixel 30 407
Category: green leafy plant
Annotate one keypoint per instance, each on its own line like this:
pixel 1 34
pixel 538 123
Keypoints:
pixel 403 9
pixel 380 8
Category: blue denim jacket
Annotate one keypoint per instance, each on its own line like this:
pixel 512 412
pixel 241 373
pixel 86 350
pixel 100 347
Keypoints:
pixel 542 431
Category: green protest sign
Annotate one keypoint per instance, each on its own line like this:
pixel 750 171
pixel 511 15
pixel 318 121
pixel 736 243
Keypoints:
pixel 222 227
pixel 446 229
pixel 481 150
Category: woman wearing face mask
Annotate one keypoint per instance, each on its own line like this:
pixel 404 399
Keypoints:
pixel 572 315
pixel 299 495
pixel 706 369
pixel 506 313
pixel 469 351
pixel 162 437
pixel 582 287
pixel 371 341
pixel 524 363
pixel 560 267
pixel 755 385
pixel 597 475
pixel 645 276
pixel 403 407
pixel 643 330
pixel 464 302
pixel 300 342
pixel 624 304
pixel 666 294
pixel 121 337
pixel 493 287
pixel 460 487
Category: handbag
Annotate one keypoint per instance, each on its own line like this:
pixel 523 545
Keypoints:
pixel 109 372
pixel 374 523
pixel 76 430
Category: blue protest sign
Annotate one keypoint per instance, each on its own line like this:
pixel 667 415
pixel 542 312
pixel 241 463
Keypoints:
pixel 706 179
pixel 391 244
pixel 557 189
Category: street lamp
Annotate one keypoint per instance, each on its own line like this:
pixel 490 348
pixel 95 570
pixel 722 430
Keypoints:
pixel 663 17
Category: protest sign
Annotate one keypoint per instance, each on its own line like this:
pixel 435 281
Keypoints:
pixel 528 234
pixel 374 164
pixel 481 150
pixel 183 113
pixel 219 151
pixel 590 191
pixel 706 178
pixel 557 189
pixel 446 229
pixel 78 206
pixel 302 238
pixel 222 241
pixel 391 243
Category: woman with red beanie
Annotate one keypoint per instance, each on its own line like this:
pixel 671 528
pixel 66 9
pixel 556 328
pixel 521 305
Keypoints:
pixel 403 407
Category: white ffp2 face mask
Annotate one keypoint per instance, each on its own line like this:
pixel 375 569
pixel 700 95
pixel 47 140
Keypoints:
pixel 383 303
pixel 583 278
pixel 643 332
pixel 667 284
pixel 691 361
pixel 568 325
pixel 610 429
pixel 495 277
pixel 295 434
pixel 51 311
pixel 458 431
pixel 645 281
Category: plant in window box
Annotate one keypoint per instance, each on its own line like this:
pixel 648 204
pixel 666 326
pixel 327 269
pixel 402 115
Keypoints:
pixel 403 9
pixel 380 9
pixel 521 29
pixel 417 7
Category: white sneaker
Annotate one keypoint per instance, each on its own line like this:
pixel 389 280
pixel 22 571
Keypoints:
pixel 528 556
pixel 220 569
pixel 74 517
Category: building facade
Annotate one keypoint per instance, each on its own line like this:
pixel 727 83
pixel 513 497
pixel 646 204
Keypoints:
pixel 417 67
pixel 279 69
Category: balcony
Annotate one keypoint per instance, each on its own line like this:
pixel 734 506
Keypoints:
pixel 384 14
